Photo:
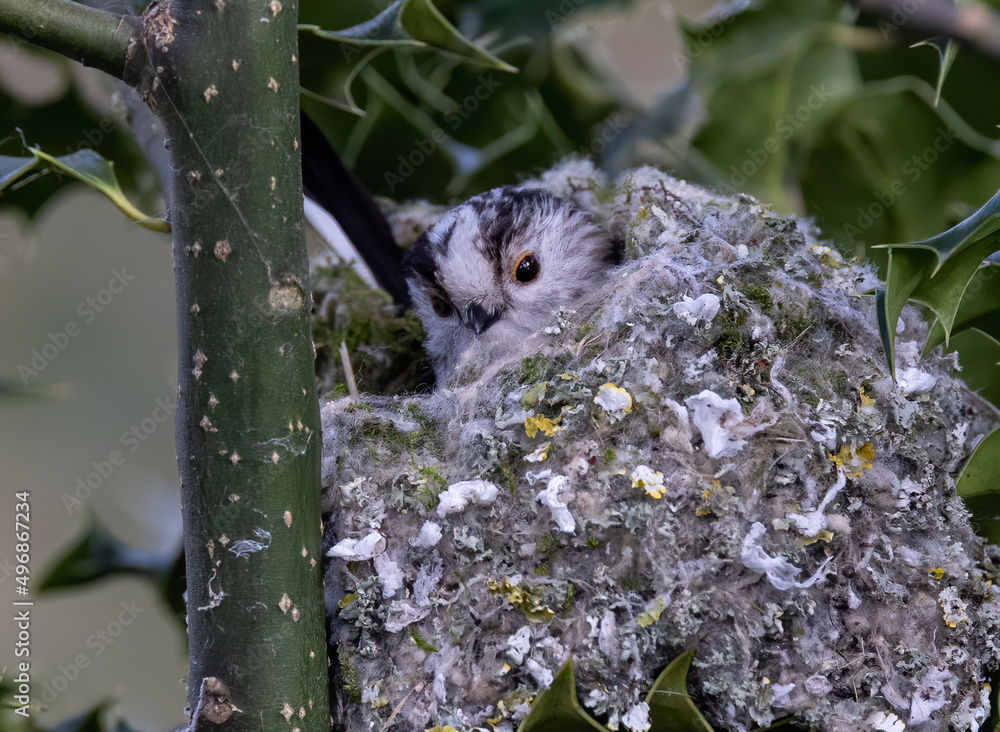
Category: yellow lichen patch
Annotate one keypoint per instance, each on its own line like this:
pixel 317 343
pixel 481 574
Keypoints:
pixel 866 401
pixel 506 706
pixel 827 256
pixel 821 535
pixel 854 461
pixel 532 425
pixel 648 480
pixel 952 607
pixel 714 498
pixel 521 599
pixel 652 614
pixel 347 600
pixel 936 572
pixel 532 395
pixel 614 400
pixel 439 728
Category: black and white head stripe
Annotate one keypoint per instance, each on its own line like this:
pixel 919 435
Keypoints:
pixel 489 274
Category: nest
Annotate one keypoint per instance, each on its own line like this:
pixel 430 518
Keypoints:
pixel 709 453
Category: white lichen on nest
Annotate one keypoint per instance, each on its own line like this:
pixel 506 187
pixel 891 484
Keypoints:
pixel 766 494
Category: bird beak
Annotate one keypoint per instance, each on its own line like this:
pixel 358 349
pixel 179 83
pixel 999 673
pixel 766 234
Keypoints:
pixel 479 319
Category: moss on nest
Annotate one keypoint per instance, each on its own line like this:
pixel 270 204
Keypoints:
pixel 384 346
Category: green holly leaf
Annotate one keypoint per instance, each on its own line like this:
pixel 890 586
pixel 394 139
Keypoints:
pixel 412 23
pixel 343 96
pixel 670 705
pixel 979 354
pixel 977 485
pixel 85 166
pixel 993 723
pixel 11 169
pixel 980 308
pixel 947 50
pixel 978 476
pixel 99 554
pixel 99 173
pixel 89 721
pixel 936 272
pixel 557 710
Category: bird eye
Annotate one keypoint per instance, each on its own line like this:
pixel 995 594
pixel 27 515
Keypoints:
pixel 441 306
pixel 527 268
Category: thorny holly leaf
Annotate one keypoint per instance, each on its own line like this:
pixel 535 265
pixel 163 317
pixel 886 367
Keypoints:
pixel 670 706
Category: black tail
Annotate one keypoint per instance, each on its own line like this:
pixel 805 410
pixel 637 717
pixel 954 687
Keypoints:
pixel 330 184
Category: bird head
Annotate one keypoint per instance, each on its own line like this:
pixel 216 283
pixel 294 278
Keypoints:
pixel 487 276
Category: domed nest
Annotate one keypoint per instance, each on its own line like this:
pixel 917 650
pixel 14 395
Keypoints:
pixel 709 453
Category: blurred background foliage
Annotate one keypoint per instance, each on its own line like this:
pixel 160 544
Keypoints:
pixel 812 107
pixel 805 105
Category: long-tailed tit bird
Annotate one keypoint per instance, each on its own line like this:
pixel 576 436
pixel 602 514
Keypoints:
pixel 484 279
pixel 489 275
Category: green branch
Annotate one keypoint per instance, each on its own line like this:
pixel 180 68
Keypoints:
pixel 226 92
pixel 93 37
